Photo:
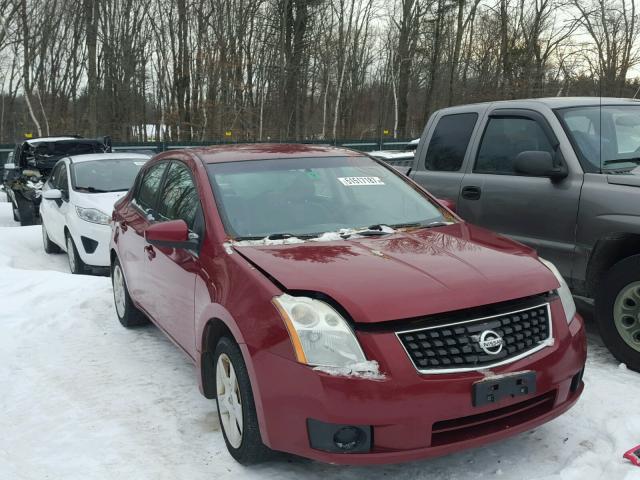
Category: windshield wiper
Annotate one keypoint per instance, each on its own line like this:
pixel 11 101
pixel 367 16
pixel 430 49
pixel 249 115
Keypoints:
pixel 437 224
pixel 278 236
pixel 635 160
pixel 370 231
pixel 92 189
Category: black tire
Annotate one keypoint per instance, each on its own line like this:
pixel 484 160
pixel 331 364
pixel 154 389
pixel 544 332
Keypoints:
pixel 251 449
pixel 49 246
pixel 25 212
pixel 619 276
pixel 76 265
pixel 128 315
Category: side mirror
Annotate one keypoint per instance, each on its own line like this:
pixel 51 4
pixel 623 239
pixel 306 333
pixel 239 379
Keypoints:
pixel 171 234
pixel 52 194
pixel 450 204
pixel 538 164
pixel 9 166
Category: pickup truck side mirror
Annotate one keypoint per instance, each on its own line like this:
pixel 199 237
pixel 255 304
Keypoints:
pixel 536 163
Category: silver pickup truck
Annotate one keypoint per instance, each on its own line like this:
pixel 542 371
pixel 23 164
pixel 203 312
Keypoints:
pixel 561 175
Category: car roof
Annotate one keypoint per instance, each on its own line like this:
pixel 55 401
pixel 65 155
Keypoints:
pixel 267 151
pixel 91 157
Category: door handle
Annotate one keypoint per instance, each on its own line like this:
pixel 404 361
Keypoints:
pixel 151 253
pixel 471 193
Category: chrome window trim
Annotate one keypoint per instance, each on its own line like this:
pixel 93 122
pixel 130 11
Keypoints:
pixel 546 343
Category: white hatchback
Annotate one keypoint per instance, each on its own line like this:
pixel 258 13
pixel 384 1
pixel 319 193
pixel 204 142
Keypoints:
pixel 77 202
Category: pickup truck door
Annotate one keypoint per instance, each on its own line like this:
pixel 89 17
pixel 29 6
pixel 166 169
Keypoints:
pixel 439 160
pixel 533 210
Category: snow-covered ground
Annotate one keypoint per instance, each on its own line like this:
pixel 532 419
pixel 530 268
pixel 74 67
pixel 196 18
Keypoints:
pixel 83 398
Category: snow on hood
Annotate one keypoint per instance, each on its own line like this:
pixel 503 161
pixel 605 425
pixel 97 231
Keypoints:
pixel 325 237
pixel 102 201
pixel 407 274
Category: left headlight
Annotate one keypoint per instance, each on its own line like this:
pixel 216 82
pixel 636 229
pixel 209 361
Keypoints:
pixel 93 215
pixel 563 291
pixel 320 335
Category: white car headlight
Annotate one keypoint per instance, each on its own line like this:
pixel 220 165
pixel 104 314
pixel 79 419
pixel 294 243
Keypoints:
pixel 563 291
pixel 320 335
pixel 93 215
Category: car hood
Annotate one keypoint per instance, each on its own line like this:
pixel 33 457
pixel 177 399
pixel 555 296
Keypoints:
pixel 102 201
pixel 408 274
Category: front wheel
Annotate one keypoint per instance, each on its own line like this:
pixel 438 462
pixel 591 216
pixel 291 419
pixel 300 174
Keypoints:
pixel 236 407
pixel 618 311
pixel 76 265
pixel 49 246
pixel 128 315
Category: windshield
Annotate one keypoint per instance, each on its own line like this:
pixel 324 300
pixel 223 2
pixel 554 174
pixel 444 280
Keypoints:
pixel 311 196
pixel 111 175
pixel 606 138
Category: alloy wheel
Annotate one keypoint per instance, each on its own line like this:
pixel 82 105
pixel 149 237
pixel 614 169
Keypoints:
pixel 229 400
pixel 119 291
pixel 626 314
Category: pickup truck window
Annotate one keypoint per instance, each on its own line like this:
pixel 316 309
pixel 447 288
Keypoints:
pixel 449 142
pixel 506 137
pixel 605 138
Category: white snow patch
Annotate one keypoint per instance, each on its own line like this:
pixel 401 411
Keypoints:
pixel 369 370
pixel 265 241
pixel 341 234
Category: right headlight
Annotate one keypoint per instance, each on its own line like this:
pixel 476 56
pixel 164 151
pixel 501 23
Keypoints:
pixel 320 336
pixel 93 215
pixel 563 291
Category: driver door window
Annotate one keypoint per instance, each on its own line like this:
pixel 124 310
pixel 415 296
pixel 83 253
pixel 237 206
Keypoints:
pixel 179 197
pixel 505 138
pixel 62 182
pixel 147 192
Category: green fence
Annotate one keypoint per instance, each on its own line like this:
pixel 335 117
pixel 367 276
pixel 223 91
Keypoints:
pixel 157 147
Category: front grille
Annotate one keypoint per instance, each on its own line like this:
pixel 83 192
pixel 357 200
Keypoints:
pixel 456 347
pixel 461 429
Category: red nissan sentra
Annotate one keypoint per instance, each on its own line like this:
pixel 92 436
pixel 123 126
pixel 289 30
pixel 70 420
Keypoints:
pixel 336 310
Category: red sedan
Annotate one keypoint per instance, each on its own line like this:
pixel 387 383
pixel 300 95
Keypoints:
pixel 335 310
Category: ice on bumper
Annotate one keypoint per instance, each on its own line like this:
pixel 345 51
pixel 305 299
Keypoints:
pixel 369 370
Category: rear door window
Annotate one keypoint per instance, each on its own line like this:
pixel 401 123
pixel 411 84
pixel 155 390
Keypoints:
pixel 505 138
pixel 449 142
pixel 149 186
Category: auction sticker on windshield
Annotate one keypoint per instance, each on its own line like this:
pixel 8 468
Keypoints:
pixel 357 181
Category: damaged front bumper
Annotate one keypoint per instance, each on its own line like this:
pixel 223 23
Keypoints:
pixel 403 415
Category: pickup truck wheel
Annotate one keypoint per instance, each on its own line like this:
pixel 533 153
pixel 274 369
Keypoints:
pixel 618 311
pixel 236 408
pixel 49 246
pixel 128 315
